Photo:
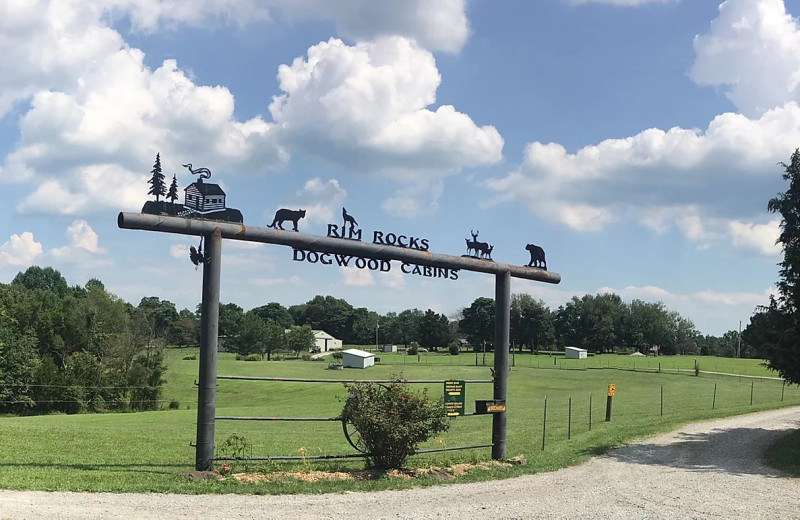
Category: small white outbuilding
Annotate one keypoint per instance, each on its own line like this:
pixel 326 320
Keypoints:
pixel 575 353
pixel 390 348
pixel 354 358
pixel 324 342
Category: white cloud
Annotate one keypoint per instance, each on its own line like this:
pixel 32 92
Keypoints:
pixel 149 15
pixel 98 114
pixel 365 107
pixel 20 250
pixel 760 237
pixel 94 105
pixel 699 181
pixel 84 237
pixel 753 53
pixel 321 200
pixel 356 277
pixel 83 247
pixel 393 278
pixel 439 25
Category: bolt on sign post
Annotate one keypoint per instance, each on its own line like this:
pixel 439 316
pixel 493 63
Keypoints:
pixel 205 214
pixel 612 390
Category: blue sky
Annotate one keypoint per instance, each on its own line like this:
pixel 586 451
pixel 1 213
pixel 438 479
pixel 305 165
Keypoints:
pixel 637 141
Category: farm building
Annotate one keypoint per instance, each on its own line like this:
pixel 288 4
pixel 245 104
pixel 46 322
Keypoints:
pixel 575 353
pixel 325 342
pixel 389 348
pixel 354 358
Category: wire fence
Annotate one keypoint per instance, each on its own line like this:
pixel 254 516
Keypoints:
pixel 564 416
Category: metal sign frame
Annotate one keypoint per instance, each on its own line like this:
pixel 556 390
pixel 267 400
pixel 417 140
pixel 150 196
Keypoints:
pixel 214 231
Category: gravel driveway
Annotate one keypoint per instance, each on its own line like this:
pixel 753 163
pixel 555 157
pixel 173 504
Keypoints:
pixel 705 470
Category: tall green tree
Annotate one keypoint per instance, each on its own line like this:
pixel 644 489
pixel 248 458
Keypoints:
pixel 275 311
pixel 532 323
pixel 44 278
pixel 434 331
pixel 275 340
pixel 477 322
pixel 300 339
pixel 333 315
pixel 783 353
pixel 251 337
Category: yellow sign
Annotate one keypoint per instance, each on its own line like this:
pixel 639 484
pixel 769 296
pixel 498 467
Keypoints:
pixel 612 389
pixel 496 408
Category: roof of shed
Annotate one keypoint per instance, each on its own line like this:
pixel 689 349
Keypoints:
pixel 359 353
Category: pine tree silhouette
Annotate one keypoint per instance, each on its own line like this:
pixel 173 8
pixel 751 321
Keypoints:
pixel 172 196
pixel 157 186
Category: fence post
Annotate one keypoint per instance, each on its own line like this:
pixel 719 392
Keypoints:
pixel 569 419
pixel 662 400
pixel 751 392
pixel 783 390
pixel 590 411
pixel 714 400
pixel 544 422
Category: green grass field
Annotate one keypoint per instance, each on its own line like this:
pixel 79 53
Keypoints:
pixel 148 451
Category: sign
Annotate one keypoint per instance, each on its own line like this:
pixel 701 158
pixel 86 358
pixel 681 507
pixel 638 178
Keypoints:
pixel 612 389
pixel 484 406
pixel 454 397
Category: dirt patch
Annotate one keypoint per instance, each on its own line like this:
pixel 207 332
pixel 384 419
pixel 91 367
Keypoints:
pixel 448 472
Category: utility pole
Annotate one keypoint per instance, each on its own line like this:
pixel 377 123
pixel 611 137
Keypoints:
pixel 377 325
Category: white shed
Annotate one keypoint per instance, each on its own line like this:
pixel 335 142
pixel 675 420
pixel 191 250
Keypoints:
pixel 354 358
pixel 325 342
pixel 575 353
pixel 390 348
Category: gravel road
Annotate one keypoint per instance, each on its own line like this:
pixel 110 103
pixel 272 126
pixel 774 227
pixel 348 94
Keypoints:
pixel 705 470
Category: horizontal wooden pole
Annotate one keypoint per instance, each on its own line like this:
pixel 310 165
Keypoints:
pixel 320 244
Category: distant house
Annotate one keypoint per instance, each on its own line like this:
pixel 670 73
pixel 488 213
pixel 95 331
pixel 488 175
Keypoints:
pixel 325 342
pixel 204 197
pixel 575 353
pixel 354 358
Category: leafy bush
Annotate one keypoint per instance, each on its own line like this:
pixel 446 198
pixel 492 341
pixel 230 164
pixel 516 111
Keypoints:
pixel 174 404
pixel 454 349
pixel 306 357
pixel 413 349
pixel 190 358
pixel 249 357
pixel 337 354
pixel 392 421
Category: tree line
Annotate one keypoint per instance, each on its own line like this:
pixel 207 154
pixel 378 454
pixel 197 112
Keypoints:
pixel 74 349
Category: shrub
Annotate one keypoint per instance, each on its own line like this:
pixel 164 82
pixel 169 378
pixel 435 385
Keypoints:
pixel 306 357
pixel 392 421
pixel 413 349
pixel 190 358
pixel 337 354
pixel 454 349
pixel 249 357
pixel 174 404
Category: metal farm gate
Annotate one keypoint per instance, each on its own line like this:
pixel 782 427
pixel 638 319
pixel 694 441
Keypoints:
pixel 212 233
